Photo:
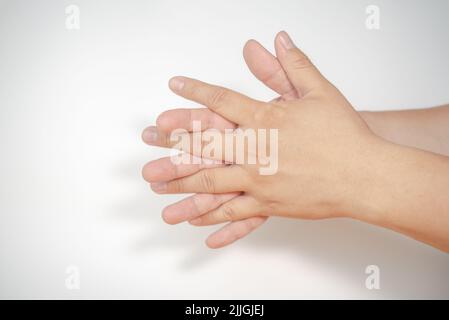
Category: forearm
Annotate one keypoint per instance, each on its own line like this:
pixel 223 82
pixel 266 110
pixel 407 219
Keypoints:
pixel 407 190
pixel 426 129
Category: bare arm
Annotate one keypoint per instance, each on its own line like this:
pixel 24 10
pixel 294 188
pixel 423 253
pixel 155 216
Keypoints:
pixel 414 194
pixel 426 129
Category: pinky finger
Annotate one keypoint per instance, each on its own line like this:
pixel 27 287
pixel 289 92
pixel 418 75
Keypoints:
pixel 234 231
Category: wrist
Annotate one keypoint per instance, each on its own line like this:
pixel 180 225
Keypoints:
pixel 396 186
pixel 372 182
pixel 377 122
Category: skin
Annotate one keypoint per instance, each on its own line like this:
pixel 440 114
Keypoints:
pixel 332 163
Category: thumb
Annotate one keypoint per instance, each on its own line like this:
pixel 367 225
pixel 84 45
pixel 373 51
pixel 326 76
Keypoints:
pixel 300 70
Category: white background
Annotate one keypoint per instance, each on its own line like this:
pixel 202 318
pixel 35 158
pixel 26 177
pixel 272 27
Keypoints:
pixel 73 104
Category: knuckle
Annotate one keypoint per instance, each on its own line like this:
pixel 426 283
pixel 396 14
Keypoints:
pixel 173 170
pixel 196 203
pixel 260 114
pixel 209 121
pixel 270 116
pixel 248 225
pixel 301 61
pixel 166 139
pixel 214 201
pixel 228 212
pixel 177 186
pixel 208 181
pixel 218 97
pixel 204 202
pixel 273 76
pixel 193 90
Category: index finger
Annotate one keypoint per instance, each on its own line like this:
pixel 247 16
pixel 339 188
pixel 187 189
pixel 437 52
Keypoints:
pixel 233 106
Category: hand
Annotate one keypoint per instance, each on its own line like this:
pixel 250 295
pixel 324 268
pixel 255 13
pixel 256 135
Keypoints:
pixel 314 179
pixel 267 69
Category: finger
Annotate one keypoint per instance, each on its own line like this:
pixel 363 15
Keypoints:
pixel 152 135
pixel 264 67
pixel 301 72
pixel 165 169
pixel 229 104
pixel 193 144
pixel 216 180
pixel 233 231
pixel 194 206
pixel 211 145
pixel 238 208
pixel 267 69
pixel 184 118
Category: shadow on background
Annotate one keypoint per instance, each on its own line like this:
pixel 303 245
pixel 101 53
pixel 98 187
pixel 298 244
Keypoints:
pixel 344 246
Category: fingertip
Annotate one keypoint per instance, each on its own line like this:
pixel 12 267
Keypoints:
pixel 195 222
pixel 219 238
pixel 248 50
pixel 173 119
pixel 176 83
pixel 252 46
pixel 159 170
pixel 149 135
pixel 159 187
pixel 213 244
pixel 169 219
pixel 143 173
pixel 280 33
pixel 278 47
pixel 163 120
pixel 249 43
pixel 147 173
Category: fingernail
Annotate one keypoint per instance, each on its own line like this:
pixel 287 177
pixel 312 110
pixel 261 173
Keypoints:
pixel 176 84
pixel 159 187
pixel 286 41
pixel 149 135
pixel 196 221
